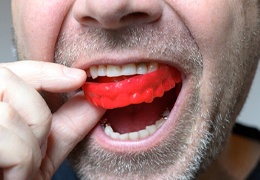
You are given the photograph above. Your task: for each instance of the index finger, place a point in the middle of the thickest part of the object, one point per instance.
(47, 76)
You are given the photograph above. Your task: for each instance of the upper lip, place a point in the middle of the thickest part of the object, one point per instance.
(86, 64)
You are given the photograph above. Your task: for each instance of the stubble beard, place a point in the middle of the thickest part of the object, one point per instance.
(180, 155)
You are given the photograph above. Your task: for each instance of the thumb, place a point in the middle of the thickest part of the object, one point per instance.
(71, 123)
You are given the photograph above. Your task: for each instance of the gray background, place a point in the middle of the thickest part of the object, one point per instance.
(250, 114)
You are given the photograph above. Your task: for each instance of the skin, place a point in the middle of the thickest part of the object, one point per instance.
(214, 43)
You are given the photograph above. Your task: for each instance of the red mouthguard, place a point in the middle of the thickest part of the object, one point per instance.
(134, 90)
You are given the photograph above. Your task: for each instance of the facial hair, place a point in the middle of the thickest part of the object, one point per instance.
(199, 134)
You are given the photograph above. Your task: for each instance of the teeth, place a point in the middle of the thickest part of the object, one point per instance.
(124, 136)
(108, 130)
(149, 130)
(141, 68)
(113, 71)
(143, 133)
(115, 135)
(102, 70)
(125, 70)
(94, 72)
(134, 136)
(152, 67)
(159, 123)
(165, 114)
(129, 69)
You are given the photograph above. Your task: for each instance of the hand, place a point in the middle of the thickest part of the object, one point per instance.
(33, 141)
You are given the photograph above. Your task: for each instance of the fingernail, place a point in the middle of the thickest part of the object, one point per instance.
(74, 73)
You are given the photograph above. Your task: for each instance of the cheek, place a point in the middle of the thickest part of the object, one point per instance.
(214, 25)
(210, 22)
(37, 25)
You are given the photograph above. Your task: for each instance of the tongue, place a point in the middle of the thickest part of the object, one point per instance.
(136, 117)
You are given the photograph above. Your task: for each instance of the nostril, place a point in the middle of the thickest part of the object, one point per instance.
(88, 19)
(134, 16)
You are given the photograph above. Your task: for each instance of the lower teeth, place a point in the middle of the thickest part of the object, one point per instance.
(149, 130)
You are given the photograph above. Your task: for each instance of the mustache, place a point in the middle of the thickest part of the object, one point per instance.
(156, 42)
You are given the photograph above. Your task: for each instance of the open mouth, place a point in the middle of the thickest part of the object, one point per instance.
(139, 97)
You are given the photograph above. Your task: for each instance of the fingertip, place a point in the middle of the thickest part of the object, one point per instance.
(75, 73)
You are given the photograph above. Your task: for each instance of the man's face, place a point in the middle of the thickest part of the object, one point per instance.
(214, 45)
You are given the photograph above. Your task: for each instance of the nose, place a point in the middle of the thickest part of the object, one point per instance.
(114, 14)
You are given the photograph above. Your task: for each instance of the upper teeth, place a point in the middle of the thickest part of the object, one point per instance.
(125, 70)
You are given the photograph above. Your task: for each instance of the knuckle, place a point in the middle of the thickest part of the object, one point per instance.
(27, 156)
(26, 159)
(24, 156)
(5, 75)
(5, 72)
(42, 128)
(30, 158)
(7, 112)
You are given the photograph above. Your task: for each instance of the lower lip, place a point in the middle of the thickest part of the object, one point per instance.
(153, 140)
